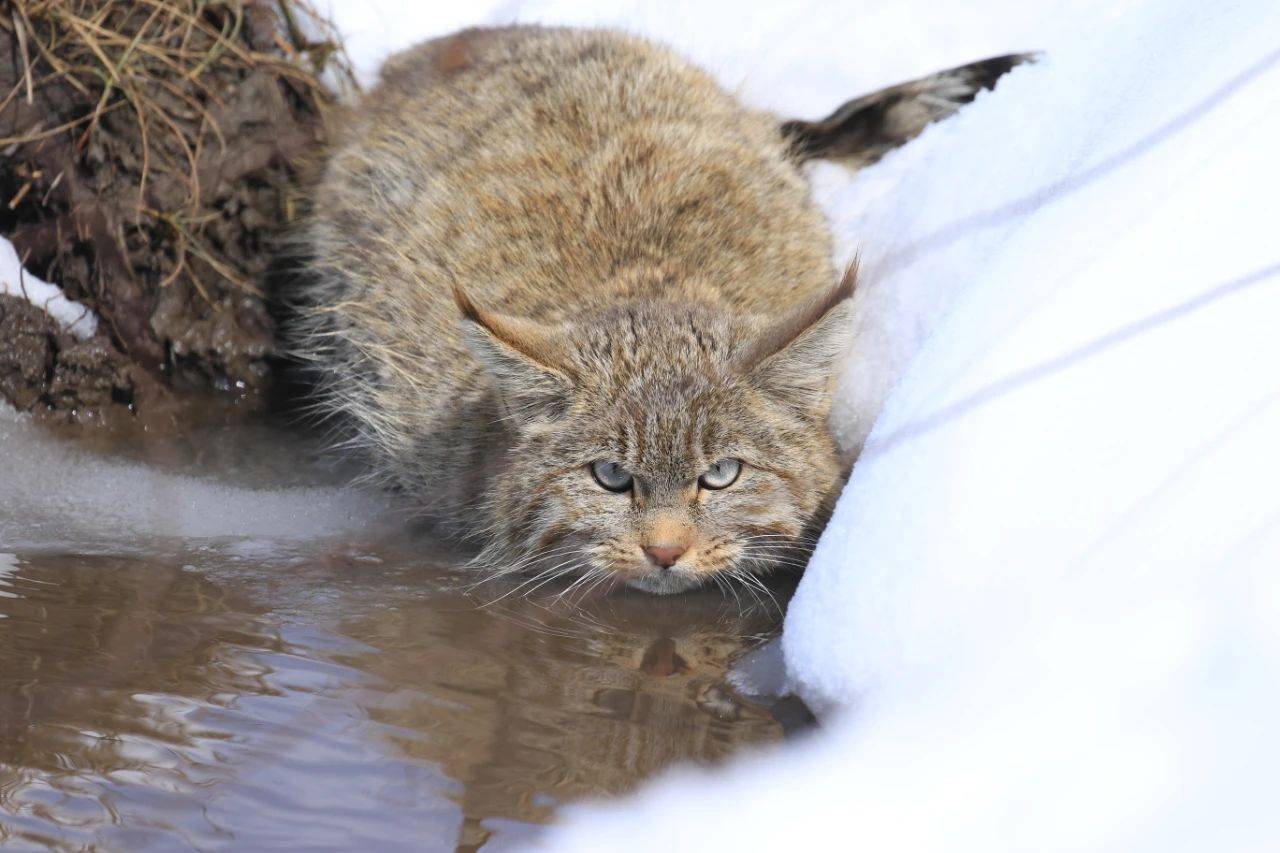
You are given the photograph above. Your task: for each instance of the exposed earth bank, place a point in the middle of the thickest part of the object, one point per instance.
(153, 155)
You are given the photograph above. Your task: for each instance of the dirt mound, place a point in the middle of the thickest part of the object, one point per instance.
(43, 366)
(152, 151)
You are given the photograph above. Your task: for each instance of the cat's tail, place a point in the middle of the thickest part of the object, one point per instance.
(863, 130)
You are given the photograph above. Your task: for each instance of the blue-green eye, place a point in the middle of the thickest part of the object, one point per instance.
(721, 474)
(611, 476)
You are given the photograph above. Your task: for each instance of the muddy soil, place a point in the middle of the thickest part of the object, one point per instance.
(152, 158)
(41, 366)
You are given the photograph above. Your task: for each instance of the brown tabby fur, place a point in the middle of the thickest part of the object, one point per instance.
(538, 248)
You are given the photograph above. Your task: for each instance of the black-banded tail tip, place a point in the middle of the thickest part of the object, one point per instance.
(984, 73)
(863, 130)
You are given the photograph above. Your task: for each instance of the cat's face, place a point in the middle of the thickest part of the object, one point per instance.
(662, 446)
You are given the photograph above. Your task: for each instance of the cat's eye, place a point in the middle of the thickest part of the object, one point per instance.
(611, 476)
(721, 474)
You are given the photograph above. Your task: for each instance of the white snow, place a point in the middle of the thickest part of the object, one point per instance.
(16, 281)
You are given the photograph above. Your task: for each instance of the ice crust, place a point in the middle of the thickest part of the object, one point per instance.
(55, 497)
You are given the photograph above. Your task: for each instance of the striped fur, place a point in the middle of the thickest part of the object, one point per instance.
(533, 248)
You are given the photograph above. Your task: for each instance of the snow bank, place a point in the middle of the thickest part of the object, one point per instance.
(56, 497)
(16, 281)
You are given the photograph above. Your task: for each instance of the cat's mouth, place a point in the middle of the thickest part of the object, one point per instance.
(665, 581)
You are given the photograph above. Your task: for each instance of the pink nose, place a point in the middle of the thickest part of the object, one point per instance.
(665, 555)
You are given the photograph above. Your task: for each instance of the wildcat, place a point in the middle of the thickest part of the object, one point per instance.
(575, 299)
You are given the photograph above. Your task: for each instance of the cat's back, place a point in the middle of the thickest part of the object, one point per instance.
(542, 169)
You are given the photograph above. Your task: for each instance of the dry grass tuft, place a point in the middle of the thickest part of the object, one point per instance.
(149, 152)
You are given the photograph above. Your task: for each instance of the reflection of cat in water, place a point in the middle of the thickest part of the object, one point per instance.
(572, 699)
(663, 659)
(576, 300)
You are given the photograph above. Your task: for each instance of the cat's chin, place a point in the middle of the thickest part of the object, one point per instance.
(665, 582)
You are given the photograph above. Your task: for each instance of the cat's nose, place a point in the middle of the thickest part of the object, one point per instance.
(664, 555)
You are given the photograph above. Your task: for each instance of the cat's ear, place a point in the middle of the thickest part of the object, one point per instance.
(526, 359)
(793, 360)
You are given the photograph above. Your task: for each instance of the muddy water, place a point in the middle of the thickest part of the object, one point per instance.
(323, 691)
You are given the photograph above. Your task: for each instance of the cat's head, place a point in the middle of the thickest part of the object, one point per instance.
(661, 444)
